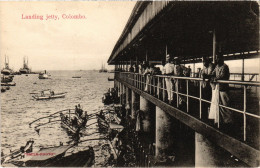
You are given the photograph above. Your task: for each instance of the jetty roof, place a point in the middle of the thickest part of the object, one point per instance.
(187, 28)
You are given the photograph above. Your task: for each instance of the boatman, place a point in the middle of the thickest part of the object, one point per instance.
(169, 70)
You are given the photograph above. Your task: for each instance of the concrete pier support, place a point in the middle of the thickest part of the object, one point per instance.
(164, 135)
(128, 96)
(121, 92)
(128, 100)
(208, 154)
(134, 104)
(145, 108)
(148, 110)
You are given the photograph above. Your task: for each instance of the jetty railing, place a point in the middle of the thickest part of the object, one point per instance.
(185, 89)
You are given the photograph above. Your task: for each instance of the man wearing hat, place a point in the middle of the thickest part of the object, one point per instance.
(169, 70)
(221, 72)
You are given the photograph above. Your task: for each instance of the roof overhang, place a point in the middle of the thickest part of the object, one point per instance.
(186, 28)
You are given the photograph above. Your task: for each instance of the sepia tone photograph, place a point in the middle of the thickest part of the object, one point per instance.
(130, 83)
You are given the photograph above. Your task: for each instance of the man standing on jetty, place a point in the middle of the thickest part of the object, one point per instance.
(207, 88)
(221, 72)
(169, 70)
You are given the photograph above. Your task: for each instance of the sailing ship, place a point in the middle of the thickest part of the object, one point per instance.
(25, 69)
(103, 69)
(6, 70)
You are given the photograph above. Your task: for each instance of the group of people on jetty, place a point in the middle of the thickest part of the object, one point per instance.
(217, 94)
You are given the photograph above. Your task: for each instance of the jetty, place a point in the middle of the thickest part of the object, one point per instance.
(175, 134)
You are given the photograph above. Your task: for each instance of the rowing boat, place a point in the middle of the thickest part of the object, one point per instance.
(48, 94)
(45, 97)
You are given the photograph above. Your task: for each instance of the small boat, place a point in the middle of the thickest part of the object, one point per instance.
(44, 75)
(18, 153)
(76, 76)
(71, 119)
(110, 97)
(57, 157)
(110, 79)
(3, 89)
(6, 78)
(110, 121)
(8, 84)
(48, 94)
(7, 88)
(74, 119)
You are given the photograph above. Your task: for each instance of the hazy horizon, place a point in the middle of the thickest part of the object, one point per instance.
(64, 43)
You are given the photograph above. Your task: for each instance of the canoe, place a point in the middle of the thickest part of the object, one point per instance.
(66, 124)
(18, 153)
(76, 76)
(112, 122)
(45, 97)
(57, 157)
(66, 121)
(110, 79)
(8, 84)
(3, 89)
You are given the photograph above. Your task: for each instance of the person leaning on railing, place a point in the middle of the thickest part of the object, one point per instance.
(146, 74)
(221, 114)
(169, 70)
(180, 85)
(207, 87)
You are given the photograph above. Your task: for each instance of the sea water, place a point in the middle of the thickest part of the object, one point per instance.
(18, 109)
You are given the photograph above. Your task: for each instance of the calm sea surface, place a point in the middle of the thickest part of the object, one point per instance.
(18, 108)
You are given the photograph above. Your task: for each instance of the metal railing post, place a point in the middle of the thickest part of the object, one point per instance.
(158, 87)
(177, 92)
(163, 82)
(200, 98)
(218, 105)
(138, 81)
(150, 83)
(187, 93)
(154, 85)
(244, 114)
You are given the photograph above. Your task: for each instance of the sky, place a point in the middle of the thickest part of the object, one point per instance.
(67, 44)
(62, 44)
